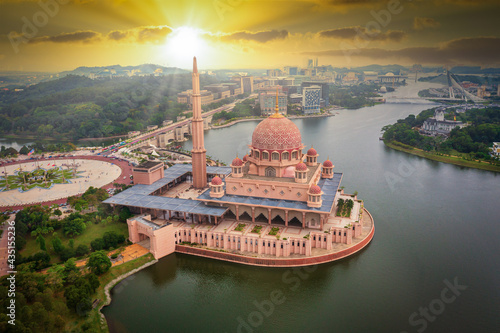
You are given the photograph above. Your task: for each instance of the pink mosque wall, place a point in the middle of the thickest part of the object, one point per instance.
(162, 242)
(148, 178)
(277, 262)
(257, 188)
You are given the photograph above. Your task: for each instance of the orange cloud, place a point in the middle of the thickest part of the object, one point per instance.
(260, 36)
(420, 23)
(359, 32)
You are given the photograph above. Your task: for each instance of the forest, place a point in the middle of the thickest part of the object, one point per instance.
(353, 97)
(76, 107)
(475, 139)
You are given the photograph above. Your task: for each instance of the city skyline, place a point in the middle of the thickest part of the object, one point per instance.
(56, 35)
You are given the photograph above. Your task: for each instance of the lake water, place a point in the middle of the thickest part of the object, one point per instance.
(436, 225)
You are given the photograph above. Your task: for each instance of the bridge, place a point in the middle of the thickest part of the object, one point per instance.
(178, 131)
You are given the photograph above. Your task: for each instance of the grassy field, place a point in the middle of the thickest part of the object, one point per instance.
(92, 232)
(445, 159)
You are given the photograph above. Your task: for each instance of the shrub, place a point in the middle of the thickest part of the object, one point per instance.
(81, 250)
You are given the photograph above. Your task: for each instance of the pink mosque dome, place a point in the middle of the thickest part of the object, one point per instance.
(216, 181)
(237, 162)
(276, 133)
(327, 164)
(301, 167)
(312, 152)
(289, 172)
(245, 158)
(315, 189)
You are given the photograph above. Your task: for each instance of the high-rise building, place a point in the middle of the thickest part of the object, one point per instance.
(311, 99)
(325, 89)
(246, 83)
(198, 153)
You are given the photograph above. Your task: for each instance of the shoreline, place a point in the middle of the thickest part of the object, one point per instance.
(261, 118)
(445, 159)
(113, 283)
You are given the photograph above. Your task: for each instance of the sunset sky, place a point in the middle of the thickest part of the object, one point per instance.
(66, 34)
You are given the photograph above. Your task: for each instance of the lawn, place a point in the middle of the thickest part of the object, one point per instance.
(92, 232)
(445, 159)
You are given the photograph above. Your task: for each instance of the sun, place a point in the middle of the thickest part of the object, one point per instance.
(184, 43)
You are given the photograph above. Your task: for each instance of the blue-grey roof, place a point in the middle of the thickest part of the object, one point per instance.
(328, 186)
(139, 195)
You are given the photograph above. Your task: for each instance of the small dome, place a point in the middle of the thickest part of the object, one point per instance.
(301, 167)
(327, 164)
(312, 152)
(245, 158)
(237, 162)
(315, 189)
(216, 181)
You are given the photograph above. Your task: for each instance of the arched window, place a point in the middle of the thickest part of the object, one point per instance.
(256, 154)
(270, 172)
(275, 156)
(285, 156)
(294, 155)
(265, 155)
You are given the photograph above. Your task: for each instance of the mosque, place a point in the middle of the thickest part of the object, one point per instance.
(274, 203)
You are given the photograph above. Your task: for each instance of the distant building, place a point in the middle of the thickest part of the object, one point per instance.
(296, 98)
(151, 127)
(350, 78)
(311, 99)
(495, 150)
(291, 70)
(392, 78)
(234, 88)
(184, 97)
(219, 91)
(268, 102)
(273, 72)
(438, 125)
(246, 83)
(370, 76)
(325, 90)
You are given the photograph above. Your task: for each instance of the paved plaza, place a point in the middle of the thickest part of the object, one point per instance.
(94, 173)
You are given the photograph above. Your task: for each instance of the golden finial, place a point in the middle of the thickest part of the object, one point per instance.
(277, 108)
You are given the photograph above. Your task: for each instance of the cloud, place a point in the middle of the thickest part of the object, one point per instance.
(151, 34)
(478, 50)
(364, 34)
(420, 23)
(71, 37)
(260, 36)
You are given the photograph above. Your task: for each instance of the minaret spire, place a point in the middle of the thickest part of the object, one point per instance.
(277, 107)
(198, 153)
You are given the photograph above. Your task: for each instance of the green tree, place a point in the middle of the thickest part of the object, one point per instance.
(41, 242)
(24, 150)
(74, 227)
(57, 244)
(99, 262)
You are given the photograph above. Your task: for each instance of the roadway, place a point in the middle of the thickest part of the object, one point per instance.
(170, 127)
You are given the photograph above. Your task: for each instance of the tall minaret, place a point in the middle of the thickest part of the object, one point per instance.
(198, 153)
